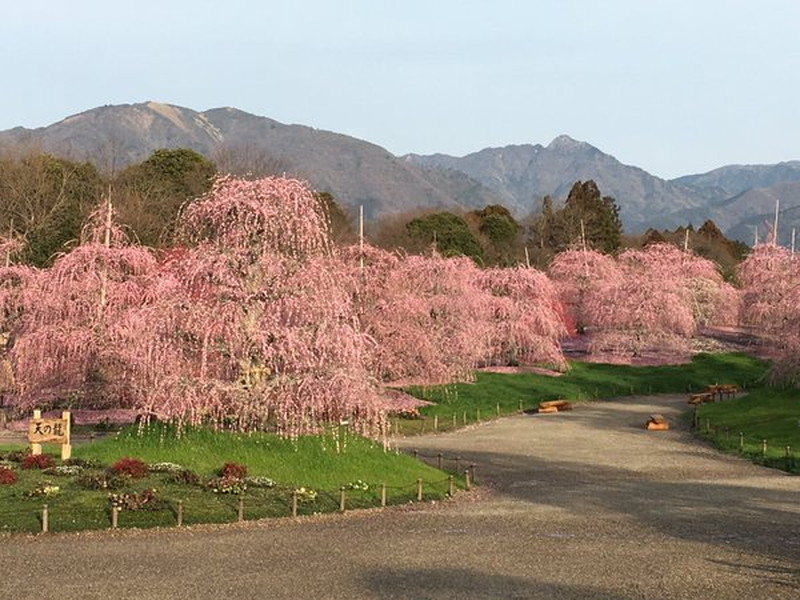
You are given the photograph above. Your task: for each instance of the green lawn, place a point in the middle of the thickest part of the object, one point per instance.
(324, 464)
(760, 425)
(493, 394)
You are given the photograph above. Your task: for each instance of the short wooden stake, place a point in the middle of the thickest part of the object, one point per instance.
(342, 500)
(439, 460)
(419, 490)
(763, 447)
(788, 451)
(294, 503)
(458, 464)
(383, 495)
(472, 472)
(240, 510)
(741, 441)
(477, 415)
(455, 421)
(45, 519)
(465, 417)
(708, 425)
(466, 480)
(450, 486)
(114, 516)
(520, 406)
(498, 409)
(179, 515)
(416, 454)
(436, 422)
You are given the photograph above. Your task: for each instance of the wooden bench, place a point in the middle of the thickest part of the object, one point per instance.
(552, 406)
(701, 398)
(725, 390)
(656, 423)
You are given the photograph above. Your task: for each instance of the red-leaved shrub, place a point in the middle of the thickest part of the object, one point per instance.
(37, 461)
(7, 476)
(129, 466)
(233, 470)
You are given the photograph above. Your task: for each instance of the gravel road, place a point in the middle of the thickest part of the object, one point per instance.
(585, 504)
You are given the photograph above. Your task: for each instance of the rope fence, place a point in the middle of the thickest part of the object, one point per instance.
(755, 448)
(257, 503)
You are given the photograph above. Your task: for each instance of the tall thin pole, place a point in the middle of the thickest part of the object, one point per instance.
(361, 235)
(527, 258)
(775, 226)
(755, 241)
(794, 232)
(686, 241)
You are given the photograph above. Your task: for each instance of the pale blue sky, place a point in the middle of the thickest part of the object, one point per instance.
(675, 87)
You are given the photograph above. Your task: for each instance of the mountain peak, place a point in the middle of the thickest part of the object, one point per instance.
(564, 142)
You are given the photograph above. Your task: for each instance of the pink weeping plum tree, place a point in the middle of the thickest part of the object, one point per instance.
(525, 316)
(770, 281)
(645, 300)
(63, 336)
(424, 315)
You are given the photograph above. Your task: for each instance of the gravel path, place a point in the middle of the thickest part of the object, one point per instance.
(583, 504)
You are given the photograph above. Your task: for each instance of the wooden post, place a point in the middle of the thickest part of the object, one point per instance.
(455, 423)
(788, 451)
(436, 422)
(458, 464)
(708, 425)
(741, 441)
(498, 409)
(36, 449)
(45, 519)
(342, 500)
(179, 516)
(450, 486)
(763, 447)
(294, 503)
(383, 495)
(240, 510)
(114, 516)
(419, 490)
(439, 461)
(416, 454)
(466, 480)
(472, 472)
(520, 406)
(66, 447)
(465, 418)
(477, 415)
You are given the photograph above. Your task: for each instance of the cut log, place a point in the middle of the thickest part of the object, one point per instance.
(548, 409)
(657, 426)
(557, 404)
(658, 419)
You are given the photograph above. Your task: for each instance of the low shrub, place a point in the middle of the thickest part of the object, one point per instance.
(232, 469)
(258, 481)
(7, 476)
(18, 456)
(147, 499)
(184, 477)
(165, 467)
(37, 461)
(102, 481)
(64, 470)
(132, 467)
(227, 485)
(45, 488)
(86, 463)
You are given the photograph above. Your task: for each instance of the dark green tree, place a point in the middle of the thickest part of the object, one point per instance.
(148, 196)
(450, 233)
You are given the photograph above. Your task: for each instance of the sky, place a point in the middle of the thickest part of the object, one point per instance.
(674, 87)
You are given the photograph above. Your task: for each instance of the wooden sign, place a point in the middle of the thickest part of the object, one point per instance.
(47, 431)
(50, 431)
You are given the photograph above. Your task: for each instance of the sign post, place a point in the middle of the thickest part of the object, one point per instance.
(50, 431)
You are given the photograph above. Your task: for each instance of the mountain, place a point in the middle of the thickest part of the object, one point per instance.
(522, 175)
(731, 180)
(357, 172)
(354, 171)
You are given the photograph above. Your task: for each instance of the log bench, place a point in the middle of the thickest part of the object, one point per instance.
(656, 423)
(552, 406)
(701, 398)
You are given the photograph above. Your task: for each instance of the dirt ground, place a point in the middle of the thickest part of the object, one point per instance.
(584, 504)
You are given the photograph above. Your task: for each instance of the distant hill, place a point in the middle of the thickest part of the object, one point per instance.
(354, 171)
(523, 175)
(357, 172)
